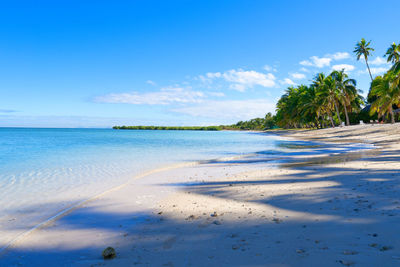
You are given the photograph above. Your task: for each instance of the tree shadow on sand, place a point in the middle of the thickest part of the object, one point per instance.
(313, 214)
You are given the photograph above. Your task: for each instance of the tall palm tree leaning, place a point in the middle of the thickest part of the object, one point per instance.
(347, 89)
(333, 94)
(362, 49)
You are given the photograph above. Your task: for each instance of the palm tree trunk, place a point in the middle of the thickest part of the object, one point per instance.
(331, 119)
(347, 115)
(337, 113)
(366, 62)
(391, 114)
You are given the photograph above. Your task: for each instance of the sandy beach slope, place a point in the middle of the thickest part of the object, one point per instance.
(321, 208)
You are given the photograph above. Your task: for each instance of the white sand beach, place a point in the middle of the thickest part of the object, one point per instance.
(318, 209)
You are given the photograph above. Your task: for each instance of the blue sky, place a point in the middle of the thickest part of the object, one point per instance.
(102, 63)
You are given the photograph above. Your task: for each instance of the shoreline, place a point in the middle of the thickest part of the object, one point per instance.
(214, 191)
(65, 211)
(22, 212)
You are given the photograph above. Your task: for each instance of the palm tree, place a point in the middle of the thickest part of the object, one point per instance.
(294, 108)
(328, 91)
(387, 95)
(306, 112)
(362, 49)
(282, 110)
(348, 91)
(393, 53)
(312, 106)
(334, 94)
(395, 70)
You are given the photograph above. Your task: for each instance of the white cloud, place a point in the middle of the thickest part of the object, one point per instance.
(247, 79)
(304, 69)
(378, 70)
(238, 87)
(269, 68)
(202, 78)
(165, 96)
(306, 63)
(375, 71)
(297, 75)
(218, 94)
(321, 62)
(151, 82)
(241, 80)
(346, 67)
(339, 55)
(229, 109)
(68, 121)
(378, 61)
(325, 61)
(287, 81)
(212, 75)
(318, 62)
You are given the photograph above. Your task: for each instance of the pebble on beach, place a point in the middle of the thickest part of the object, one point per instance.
(347, 263)
(109, 253)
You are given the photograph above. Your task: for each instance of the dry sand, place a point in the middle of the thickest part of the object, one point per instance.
(321, 208)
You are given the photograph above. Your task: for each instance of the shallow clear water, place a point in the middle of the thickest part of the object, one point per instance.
(43, 171)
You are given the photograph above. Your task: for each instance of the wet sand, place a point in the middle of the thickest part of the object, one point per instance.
(322, 208)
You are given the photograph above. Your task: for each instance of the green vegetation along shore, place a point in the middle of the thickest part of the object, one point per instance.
(331, 99)
(187, 128)
(259, 124)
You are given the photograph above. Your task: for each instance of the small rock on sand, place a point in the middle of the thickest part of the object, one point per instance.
(349, 252)
(347, 263)
(384, 248)
(109, 253)
(276, 220)
(191, 217)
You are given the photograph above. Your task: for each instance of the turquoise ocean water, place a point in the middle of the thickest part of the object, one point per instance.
(43, 171)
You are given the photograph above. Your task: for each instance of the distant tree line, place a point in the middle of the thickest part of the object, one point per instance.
(268, 122)
(171, 128)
